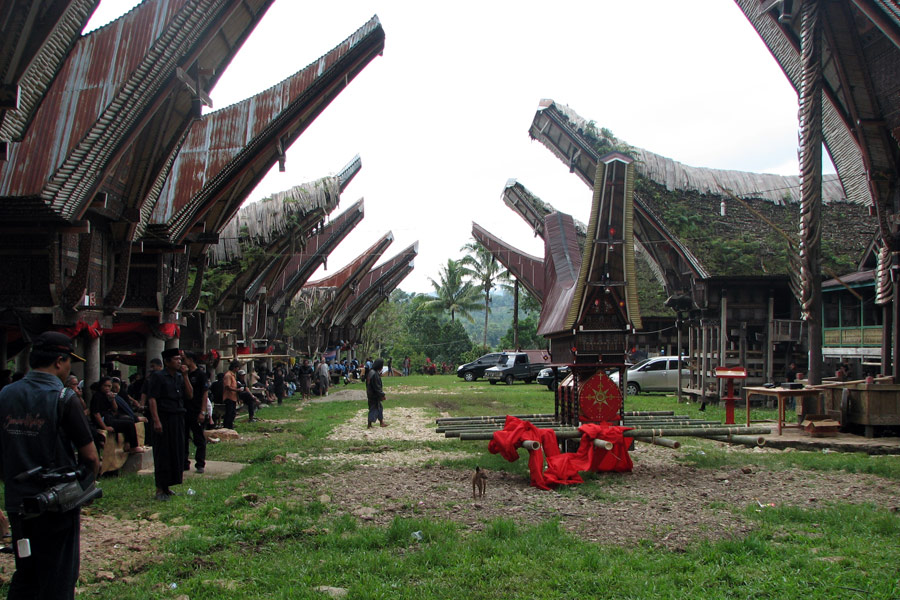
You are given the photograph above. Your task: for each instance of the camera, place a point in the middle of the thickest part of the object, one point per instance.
(67, 489)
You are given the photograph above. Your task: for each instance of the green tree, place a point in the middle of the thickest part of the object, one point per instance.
(453, 294)
(480, 265)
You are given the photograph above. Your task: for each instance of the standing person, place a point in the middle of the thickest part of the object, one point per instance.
(390, 370)
(230, 394)
(406, 365)
(195, 414)
(306, 375)
(167, 391)
(375, 394)
(324, 378)
(40, 428)
(278, 384)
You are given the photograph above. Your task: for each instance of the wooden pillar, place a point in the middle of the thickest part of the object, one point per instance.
(516, 314)
(678, 352)
(723, 336)
(172, 342)
(704, 363)
(810, 112)
(887, 330)
(770, 340)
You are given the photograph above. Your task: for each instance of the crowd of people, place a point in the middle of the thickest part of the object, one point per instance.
(50, 424)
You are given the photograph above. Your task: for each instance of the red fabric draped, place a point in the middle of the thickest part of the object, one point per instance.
(562, 468)
(93, 330)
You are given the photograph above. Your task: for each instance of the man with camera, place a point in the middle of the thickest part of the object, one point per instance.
(45, 483)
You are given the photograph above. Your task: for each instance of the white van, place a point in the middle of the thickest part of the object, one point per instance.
(658, 374)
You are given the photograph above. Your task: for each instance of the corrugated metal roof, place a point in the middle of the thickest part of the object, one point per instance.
(31, 57)
(302, 265)
(562, 260)
(376, 286)
(347, 280)
(528, 269)
(228, 151)
(101, 97)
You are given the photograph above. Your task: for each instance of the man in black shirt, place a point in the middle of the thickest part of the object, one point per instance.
(195, 414)
(39, 426)
(166, 392)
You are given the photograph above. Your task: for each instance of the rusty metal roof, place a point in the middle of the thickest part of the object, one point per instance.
(377, 286)
(347, 280)
(524, 267)
(562, 260)
(35, 38)
(227, 152)
(319, 245)
(101, 121)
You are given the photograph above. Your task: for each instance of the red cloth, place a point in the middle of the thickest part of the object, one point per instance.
(93, 330)
(562, 468)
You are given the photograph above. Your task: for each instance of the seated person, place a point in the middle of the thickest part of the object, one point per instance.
(107, 415)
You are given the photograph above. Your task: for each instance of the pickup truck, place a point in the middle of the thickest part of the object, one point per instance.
(517, 365)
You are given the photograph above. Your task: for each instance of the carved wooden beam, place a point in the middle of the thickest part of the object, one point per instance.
(116, 295)
(176, 293)
(78, 285)
(193, 299)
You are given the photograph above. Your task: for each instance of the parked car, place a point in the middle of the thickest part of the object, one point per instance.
(475, 369)
(657, 374)
(513, 366)
(552, 375)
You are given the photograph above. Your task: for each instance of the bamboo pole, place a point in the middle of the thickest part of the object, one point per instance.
(838, 384)
(746, 440)
(494, 417)
(603, 444)
(531, 445)
(674, 444)
(571, 433)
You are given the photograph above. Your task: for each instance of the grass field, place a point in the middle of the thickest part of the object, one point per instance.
(264, 533)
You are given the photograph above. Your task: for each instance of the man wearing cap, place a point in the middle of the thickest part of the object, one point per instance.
(167, 391)
(41, 426)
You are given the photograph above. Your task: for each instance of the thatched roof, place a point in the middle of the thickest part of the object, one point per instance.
(780, 189)
(262, 222)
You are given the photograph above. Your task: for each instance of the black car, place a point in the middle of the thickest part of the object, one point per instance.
(551, 376)
(475, 369)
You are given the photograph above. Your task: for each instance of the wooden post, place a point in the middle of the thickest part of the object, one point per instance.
(887, 329)
(516, 314)
(723, 335)
(678, 352)
(704, 363)
(770, 341)
(811, 181)
(92, 362)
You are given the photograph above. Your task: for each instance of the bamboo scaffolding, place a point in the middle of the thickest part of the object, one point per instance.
(746, 440)
(571, 433)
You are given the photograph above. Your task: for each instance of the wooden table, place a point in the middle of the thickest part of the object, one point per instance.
(780, 394)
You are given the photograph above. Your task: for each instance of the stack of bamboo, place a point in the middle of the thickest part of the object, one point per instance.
(656, 427)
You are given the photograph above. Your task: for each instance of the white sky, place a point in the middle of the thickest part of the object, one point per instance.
(441, 120)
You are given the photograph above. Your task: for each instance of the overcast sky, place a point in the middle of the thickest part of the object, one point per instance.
(441, 119)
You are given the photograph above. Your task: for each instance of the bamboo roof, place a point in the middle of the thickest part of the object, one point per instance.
(261, 222)
(674, 175)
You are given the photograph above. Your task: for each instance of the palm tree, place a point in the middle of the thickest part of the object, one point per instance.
(484, 270)
(453, 294)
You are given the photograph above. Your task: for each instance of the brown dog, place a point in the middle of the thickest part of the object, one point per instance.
(479, 481)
